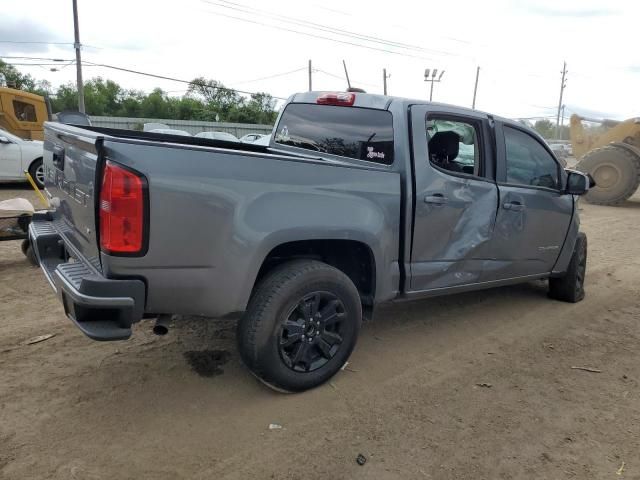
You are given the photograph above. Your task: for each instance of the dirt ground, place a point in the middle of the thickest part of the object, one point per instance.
(473, 386)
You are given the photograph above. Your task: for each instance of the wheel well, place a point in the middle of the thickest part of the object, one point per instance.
(353, 258)
(32, 162)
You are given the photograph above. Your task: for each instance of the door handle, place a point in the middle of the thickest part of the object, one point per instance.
(514, 206)
(436, 199)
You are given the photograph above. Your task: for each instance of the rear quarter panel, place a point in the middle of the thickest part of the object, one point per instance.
(215, 214)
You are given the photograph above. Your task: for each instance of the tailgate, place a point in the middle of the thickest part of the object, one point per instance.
(70, 164)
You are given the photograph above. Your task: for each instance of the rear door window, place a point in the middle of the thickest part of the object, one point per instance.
(360, 133)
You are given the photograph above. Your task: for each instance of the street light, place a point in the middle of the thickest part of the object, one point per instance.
(430, 76)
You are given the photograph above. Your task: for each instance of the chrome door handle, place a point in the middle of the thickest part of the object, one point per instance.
(514, 206)
(436, 199)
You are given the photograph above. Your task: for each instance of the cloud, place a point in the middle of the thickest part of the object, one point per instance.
(23, 35)
(574, 12)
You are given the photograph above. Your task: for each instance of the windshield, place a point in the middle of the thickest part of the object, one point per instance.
(360, 133)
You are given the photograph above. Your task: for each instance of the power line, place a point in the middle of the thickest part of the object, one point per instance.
(37, 58)
(341, 77)
(271, 76)
(20, 42)
(335, 40)
(316, 26)
(164, 77)
(31, 64)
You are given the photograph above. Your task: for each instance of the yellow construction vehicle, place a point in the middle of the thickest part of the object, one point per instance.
(611, 156)
(23, 113)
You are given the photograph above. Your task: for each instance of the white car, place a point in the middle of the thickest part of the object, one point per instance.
(265, 140)
(218, 136)
(251, 137)
(18, 155)
(170, 131)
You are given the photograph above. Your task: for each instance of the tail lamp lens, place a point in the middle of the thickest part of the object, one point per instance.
(122, 210)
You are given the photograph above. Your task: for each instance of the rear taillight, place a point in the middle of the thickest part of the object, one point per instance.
(122, 211)
(343, 99)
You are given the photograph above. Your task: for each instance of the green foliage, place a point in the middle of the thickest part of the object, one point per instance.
(14, 79)
(206, 99)
(545, 128)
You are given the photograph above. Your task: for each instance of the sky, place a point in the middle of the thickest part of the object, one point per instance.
(520, 47)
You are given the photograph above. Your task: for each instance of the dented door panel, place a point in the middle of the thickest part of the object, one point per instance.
(454, 219)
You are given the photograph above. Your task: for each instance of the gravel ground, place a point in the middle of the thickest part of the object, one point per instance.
(473, 386)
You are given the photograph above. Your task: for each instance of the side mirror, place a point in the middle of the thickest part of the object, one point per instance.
(4, 139)
(578, 183)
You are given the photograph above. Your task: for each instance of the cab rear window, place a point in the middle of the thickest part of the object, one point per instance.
(360, 133)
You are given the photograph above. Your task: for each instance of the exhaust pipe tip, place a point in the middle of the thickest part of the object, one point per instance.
(162, 325)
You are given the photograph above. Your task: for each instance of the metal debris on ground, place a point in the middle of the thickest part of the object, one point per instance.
(40, 338)
(344, 366)
(484, 385)
(275, 426)
(620, 470)
(361, 459)
(587, 369)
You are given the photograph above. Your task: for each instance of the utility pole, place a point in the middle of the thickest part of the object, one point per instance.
(432, 78)
(310, 73)
(563, 85)
(346, 73)
(561, 121)
(475, 89)
(384, 80)
(76, 44)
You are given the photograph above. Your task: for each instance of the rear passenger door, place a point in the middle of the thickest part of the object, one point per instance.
(455, 197)
(534, 215)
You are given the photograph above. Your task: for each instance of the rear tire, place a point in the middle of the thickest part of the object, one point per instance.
(570, 287)
(27, 250)
(300, 326)
(36, 170)
(616, 172)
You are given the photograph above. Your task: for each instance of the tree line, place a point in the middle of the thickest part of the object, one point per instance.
(205, 99)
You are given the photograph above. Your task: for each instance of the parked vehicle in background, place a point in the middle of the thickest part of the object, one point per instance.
(72, 118)
(359, 199)
(149, 127)
(611, 155)
(560, 151)
(265, 140)
(18, 155)
(228, 137)
(170, 131)
(22, 113)
(251, 137)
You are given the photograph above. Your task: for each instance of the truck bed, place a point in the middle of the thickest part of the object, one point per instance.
(216, 210)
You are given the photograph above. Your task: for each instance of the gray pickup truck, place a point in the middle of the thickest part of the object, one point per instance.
(358, 199)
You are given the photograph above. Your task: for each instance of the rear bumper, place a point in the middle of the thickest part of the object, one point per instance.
(104, 309)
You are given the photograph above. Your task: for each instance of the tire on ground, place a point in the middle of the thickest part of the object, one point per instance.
(274, 300)
(32, 171)
(570, 287)
(619, 172)
(28, 252)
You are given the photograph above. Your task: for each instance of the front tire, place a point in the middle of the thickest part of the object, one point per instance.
(570, 287)
(300, 326)
(36, 170)
(616, 172)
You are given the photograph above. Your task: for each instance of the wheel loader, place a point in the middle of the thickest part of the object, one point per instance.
(611, 156)
(23, 113)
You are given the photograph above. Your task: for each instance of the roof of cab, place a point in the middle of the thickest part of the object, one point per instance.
(382, 102)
